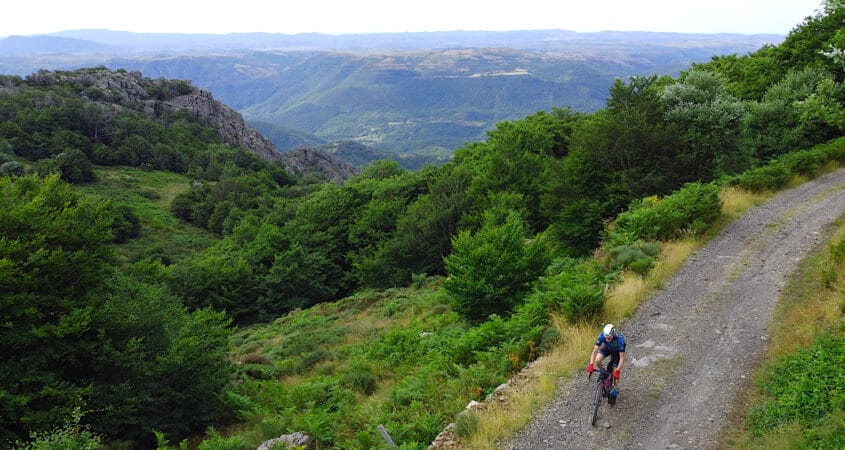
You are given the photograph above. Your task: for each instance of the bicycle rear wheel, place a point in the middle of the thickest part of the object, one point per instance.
(597, 401)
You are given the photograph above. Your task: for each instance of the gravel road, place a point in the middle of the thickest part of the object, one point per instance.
(689, 344)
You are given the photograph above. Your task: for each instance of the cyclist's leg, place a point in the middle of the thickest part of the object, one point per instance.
(599, 358)
(614, 362)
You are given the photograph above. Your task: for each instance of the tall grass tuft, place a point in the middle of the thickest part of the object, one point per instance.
(632, 288)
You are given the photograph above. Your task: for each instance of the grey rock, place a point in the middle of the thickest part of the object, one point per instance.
(293, 440)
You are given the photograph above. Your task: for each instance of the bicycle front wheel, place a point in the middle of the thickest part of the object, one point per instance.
(597, 401)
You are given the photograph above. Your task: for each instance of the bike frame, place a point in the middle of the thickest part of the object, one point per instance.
(604, 384)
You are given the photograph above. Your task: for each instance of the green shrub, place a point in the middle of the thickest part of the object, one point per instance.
(490, 270)
(829, 276)
(486, 335)
(638, 257)
(11, 168)
(805, 162)
(126, 223)
(582, 302)
(688, 210)
(837, 252)
(770, 177)
(71, 436)
(834, 150)
(549, 339)
(576, 287)
(255, 358)
(75, 166)
(359, 378)
(217, 442)
(467, 423)
(642, 266)
(311, 359)
(806, 386)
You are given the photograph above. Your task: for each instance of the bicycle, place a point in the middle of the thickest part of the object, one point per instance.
(604, 387)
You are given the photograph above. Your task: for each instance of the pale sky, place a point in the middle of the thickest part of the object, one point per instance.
(24, 17)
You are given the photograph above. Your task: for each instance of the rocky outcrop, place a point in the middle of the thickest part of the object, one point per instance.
(121, 89)
(305, 161)
(229, 123)
(295, 440)
(158, 97)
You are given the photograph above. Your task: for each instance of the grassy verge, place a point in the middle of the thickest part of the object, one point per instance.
(799, 398)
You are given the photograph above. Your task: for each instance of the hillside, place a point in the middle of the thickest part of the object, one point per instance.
(163, 287)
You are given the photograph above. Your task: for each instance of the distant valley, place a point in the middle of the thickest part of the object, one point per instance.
(412, 97)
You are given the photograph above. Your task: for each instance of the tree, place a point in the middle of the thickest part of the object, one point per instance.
(77, 333)
(156, 366)
(74, 166)
(774, 125)
(54, 252)
(622, 152)
(422, 237)
(709, 123)
(489, 270)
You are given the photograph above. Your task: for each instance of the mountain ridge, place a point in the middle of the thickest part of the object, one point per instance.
(422, 93)
(522, 39)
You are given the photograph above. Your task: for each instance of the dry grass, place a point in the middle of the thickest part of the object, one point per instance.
(736, 201)
(169, 191)
(806, 307)
(626, 296)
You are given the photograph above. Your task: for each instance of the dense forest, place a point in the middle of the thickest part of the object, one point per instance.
(126, 328)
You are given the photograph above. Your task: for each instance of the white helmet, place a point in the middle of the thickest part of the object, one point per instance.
(609, 330)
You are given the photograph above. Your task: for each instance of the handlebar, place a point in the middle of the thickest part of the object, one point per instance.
(601, 370)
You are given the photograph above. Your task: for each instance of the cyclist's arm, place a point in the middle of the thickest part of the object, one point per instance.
(621, 361)
(593, 356)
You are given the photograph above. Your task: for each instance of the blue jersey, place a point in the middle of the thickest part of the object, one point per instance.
(615, 346)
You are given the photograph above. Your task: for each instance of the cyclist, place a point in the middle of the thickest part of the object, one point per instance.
(610, 342)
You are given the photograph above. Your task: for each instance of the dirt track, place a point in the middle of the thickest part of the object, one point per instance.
(689, 344)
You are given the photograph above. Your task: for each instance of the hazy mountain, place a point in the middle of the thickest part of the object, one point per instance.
(423, 93)
(538, 40)
(40, 45)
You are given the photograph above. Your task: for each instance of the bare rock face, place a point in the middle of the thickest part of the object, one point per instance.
(130, 90)
(229, 123)
(305, 161)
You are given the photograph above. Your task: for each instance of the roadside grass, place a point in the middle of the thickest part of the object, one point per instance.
(149, 194)
(534, 387)
(736, 201)
(808, 318)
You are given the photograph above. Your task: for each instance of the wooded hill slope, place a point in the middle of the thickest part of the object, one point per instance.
(539, 217)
